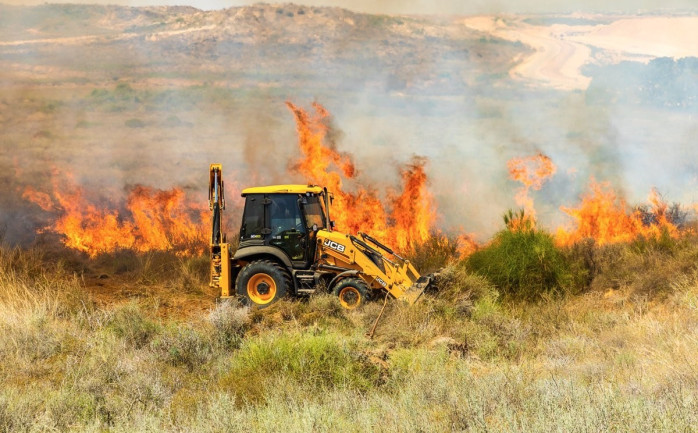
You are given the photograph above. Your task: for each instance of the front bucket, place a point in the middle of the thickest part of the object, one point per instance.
(413, 293)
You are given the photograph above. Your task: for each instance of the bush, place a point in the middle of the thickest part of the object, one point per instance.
(522, 264)
(183, 345)
(462, 288)
(129, 323)
(230, 322)
(191, 274)
(319, 361)
(646, 266)
(438, 251)
(663, 243)
(455, 281)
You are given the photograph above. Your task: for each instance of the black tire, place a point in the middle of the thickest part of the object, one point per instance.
(352, 293)
(262, 283)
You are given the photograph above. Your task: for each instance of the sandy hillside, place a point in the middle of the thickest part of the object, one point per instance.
(561, 50)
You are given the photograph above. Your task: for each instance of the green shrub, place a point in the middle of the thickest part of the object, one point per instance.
(124, 91)
(646, 266)
(320, 361)
(523, 264)
(583, 259)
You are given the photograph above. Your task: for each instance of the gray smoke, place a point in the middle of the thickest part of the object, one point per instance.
(172, 90)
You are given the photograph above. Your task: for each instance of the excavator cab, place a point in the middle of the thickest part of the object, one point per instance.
(287, 246)
(286, 217)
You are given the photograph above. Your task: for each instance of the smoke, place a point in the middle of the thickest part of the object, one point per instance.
(170, 91)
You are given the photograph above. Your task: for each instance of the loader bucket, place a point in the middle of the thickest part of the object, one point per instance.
(413, 293)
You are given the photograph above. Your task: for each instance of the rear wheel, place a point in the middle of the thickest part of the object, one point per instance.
(262, 283)
(352, 293)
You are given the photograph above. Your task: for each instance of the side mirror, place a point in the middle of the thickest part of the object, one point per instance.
(315, 227)
(332, 224)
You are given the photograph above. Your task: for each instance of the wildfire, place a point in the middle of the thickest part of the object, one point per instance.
(154, 220)
(601, 215)
(39, 198)
(605, 218)
(466, 245)
(412, 209)
(532, 172)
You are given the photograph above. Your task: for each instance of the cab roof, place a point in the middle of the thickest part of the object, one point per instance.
(282, 189)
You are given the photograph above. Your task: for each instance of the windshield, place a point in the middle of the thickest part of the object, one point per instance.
(313, 212)
(285, 215)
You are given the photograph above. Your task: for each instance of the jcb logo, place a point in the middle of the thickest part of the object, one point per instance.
(381, 282)
(334, 245)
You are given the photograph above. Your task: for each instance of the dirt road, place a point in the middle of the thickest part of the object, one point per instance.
(561, 50)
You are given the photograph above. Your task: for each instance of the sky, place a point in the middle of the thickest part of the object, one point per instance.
(425, 6)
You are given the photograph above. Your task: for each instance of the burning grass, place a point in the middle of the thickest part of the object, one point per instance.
(153, 220)
(604, 217)
(403, 216)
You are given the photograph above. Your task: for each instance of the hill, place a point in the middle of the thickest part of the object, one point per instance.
(184, 87)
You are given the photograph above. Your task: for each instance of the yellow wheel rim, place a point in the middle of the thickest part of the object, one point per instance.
(350, 297)
(261, 289)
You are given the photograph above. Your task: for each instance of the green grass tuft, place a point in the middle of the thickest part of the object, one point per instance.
(319, 361)
(523, 264)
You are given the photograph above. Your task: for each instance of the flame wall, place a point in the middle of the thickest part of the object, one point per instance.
(144, 107)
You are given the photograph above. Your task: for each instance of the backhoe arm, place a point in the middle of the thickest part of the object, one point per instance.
(216, 201)
(220, 251)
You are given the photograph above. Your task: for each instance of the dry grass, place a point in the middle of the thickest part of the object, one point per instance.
(464, 360)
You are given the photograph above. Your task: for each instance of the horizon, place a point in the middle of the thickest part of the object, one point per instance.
(420, 7)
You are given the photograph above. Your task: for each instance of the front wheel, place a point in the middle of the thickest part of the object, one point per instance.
(262, 283)
(352, 293)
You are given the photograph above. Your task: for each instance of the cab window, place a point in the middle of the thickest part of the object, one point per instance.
(253, 217)
(285, 215)
(313, 212)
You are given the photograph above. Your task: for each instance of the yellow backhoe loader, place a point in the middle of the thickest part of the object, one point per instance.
(287, 246)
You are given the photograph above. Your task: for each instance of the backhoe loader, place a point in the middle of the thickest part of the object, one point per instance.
(288, 247)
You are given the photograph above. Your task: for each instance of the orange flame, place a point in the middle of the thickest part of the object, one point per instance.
(605, 218)
(532, 172)
(155, 220)
(413, 210)
(412, 214)
(466, 245)
(39, 198)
